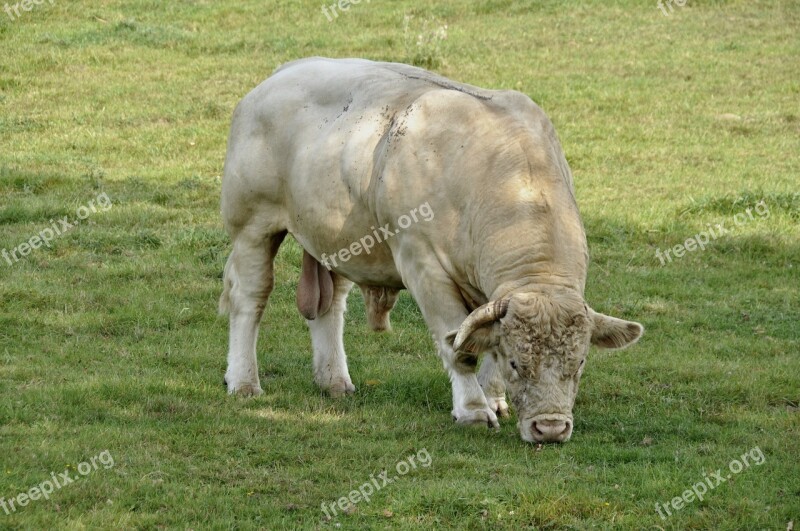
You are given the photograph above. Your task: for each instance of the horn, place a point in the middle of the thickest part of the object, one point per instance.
(488, 313)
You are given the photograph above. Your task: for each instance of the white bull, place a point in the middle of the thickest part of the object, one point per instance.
(332, 151)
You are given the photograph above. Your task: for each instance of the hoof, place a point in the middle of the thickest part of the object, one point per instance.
(498, 405)
(339, 391)
(245, 390)
(338, 388)
(480, 417)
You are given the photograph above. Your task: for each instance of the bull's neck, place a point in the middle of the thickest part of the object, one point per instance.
(539, 245)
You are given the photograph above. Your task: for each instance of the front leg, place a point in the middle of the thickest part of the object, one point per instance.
(469, 403)
(493, 385)
(443, 309)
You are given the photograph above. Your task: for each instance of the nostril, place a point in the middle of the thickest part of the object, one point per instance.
(550, 430)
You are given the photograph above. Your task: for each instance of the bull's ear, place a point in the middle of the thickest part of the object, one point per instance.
(610, 332)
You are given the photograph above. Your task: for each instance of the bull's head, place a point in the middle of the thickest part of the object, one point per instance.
(540, 342)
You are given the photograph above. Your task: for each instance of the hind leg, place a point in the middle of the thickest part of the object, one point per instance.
(379, 302)
(327, 329)
(248, 282)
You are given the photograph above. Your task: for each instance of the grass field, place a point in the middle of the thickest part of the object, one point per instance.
(112, 351)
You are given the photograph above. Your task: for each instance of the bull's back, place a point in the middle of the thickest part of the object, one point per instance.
(342, 147)
(317, 125)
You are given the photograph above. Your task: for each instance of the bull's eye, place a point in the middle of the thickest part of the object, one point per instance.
(514, 365)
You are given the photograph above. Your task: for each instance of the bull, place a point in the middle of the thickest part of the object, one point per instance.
(469, 204)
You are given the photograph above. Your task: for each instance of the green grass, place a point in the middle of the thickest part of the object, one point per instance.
(109, 339)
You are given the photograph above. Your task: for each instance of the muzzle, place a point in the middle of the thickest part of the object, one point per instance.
(548, 427)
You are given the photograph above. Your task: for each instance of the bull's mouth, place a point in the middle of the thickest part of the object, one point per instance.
(548, 427)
